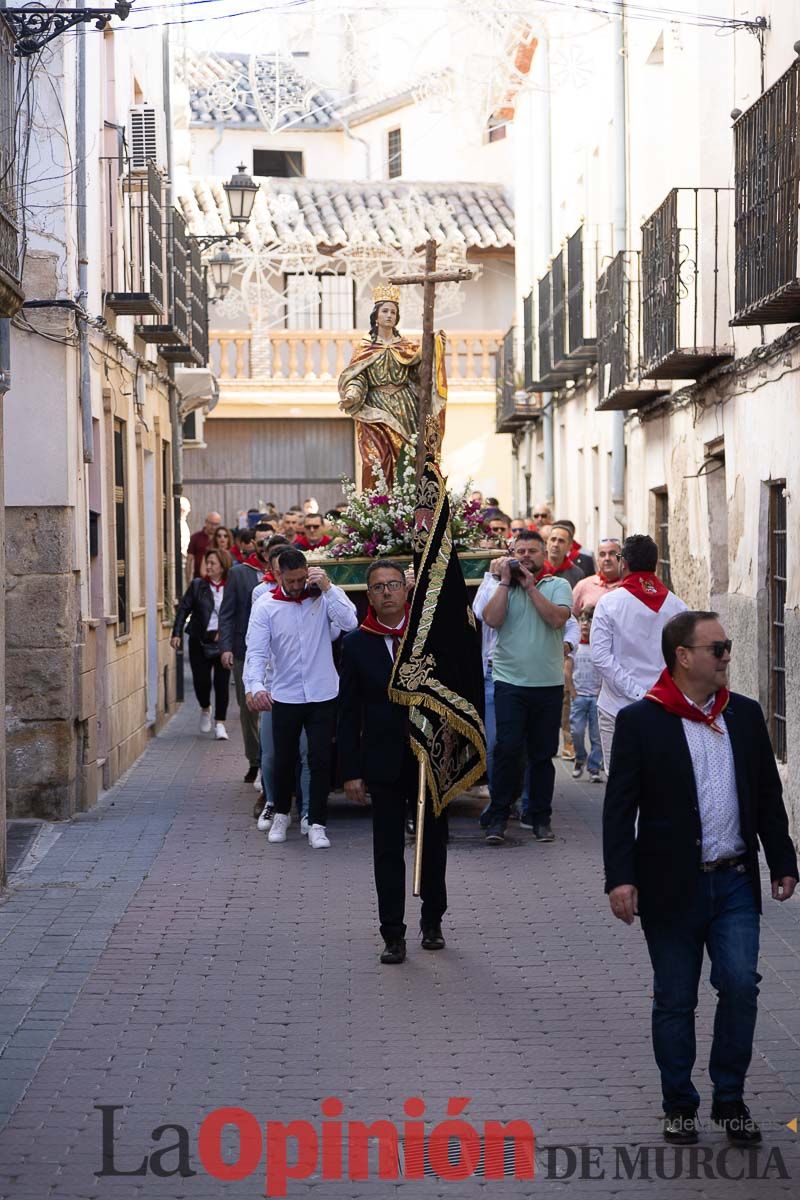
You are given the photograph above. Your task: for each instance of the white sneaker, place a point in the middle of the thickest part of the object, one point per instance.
(265, 818)
(257, 781)
(280, 823)
(220, 732)
(304, 826)
(205, 721)
(317, 837)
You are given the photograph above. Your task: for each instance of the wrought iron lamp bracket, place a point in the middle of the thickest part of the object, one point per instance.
(34, 27)
(206, 240)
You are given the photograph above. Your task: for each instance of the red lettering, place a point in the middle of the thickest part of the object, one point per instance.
(209, 1142)
(494, 1137)
(279, 1171)
(358, 1135)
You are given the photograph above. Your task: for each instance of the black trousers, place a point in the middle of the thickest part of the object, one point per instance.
(389, 812)
(319, 722)
(203, 671)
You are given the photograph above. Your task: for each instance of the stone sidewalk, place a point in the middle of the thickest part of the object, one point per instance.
(161, 957)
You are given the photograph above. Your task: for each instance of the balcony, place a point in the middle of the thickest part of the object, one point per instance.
(289, 358)
(766, 202)
(183, 336)
(620, 382)
(685, 308)
(550, 331)
(566, 342)
(134, 252)
(581, 347)
(514, 407)
(11, 295)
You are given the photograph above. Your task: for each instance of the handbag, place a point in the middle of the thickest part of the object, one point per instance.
(211, 650)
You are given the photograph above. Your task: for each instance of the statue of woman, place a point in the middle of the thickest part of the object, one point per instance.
(380, 388)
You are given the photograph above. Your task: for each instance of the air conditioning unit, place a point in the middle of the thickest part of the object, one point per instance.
(147, 137)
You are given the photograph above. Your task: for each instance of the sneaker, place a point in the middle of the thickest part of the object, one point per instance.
(577, 771)
(734, 1117)
(257, 780)
(205, 721)
(265, 817)
(220, 732)
(526, 821)
(595, 777)
(304, 826)
(280, 823)
(495, 835)
(544, 833)
(568, 754)
(318, 838)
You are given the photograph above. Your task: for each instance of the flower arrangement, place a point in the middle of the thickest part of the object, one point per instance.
(380, 522)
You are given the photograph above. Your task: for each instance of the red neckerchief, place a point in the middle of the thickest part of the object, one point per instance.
(371, 624)
(546, 572)
(268, 577)
(254, 561)
(302, 542)
(549, 569)
(572, 556)
(607, 583)
(647, 587)
(219, 585)
(279, 594)
(666, 692)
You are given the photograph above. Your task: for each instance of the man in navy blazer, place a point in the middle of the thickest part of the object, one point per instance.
(693, 788)
(375, 757)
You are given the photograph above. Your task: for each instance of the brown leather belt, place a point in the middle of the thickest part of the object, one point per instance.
(724, 864)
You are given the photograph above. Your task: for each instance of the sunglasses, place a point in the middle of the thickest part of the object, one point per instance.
(718, 649)
(541, 514)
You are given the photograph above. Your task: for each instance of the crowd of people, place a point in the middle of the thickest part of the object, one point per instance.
(573, 648)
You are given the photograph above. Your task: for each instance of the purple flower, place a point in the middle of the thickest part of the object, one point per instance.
(370, 547)
(378, 501)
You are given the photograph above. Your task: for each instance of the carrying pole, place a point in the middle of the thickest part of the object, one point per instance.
(420, 828)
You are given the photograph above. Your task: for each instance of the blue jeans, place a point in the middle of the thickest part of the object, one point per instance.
(722, 917)
(489, 722)
(583, 712)
(528, 726)
(268, 765)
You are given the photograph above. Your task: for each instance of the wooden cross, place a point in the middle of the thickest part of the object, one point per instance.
(429, 280)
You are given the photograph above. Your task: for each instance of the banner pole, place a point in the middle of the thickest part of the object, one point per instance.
(420, 828)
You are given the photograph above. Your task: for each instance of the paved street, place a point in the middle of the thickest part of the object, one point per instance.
(162, 957)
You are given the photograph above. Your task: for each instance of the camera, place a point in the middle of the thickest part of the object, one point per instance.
(516, 574)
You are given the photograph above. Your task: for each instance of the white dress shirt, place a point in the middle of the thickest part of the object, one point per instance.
(715, 782)
(626, 646)
(213, 620)
(297, 638)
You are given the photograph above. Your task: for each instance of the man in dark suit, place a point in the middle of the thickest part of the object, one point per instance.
(376, 757)
(694, 764)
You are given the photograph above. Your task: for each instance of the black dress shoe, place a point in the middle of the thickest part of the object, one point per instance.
(394, 951)
(734, 1117)
(250, 777)
(680, 1128)
(495, 835)
(432, 937)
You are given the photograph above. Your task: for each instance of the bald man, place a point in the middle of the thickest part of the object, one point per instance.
(198, 544)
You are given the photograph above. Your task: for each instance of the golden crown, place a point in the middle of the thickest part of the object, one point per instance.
(386, 291)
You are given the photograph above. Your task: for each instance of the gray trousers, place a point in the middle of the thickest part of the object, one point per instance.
(607, 723)
(249, 720)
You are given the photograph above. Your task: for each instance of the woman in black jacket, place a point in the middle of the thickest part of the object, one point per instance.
(200, 605)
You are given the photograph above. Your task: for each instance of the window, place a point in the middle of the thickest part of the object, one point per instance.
(320, 302)
(662, 535)
(496, 128)
(776, 589)
(394, 153)
(280, 164)
(121, 526)
(166, 504)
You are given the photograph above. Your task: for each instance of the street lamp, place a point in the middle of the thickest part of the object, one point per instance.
(221, 268)
(241, 193)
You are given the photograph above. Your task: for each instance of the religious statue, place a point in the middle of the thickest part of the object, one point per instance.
(380, 388)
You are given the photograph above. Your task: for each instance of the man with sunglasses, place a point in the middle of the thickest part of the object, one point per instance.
(692, 790)
(376, 758)
(313, 536)
(626, 633)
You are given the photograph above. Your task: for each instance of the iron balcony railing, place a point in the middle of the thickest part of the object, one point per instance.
(11, 296)
(182, 334)
(620, 384)
(550, 322)
(134, 241)
(514, 407)
(559, 311)
(581, 325)
(527, 341)
(767, 179)
(685, 309)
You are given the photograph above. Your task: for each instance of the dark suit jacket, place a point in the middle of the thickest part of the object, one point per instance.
(234, 613)
(652, 778)
(372, 732)
(196, 607)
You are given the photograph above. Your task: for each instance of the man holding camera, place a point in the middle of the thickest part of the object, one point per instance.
(529, 614)
(296, 630)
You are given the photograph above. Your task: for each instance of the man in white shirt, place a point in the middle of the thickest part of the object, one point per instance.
(626, 633)
(295, 631)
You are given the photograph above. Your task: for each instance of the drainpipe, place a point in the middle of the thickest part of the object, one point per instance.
(620, 218)
(543, 139)
(85, 386)
(176, 428)
(528, 471)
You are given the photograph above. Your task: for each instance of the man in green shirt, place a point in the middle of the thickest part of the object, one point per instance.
(528, 611)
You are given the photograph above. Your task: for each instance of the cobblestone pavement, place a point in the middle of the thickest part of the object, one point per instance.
(162, 957)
